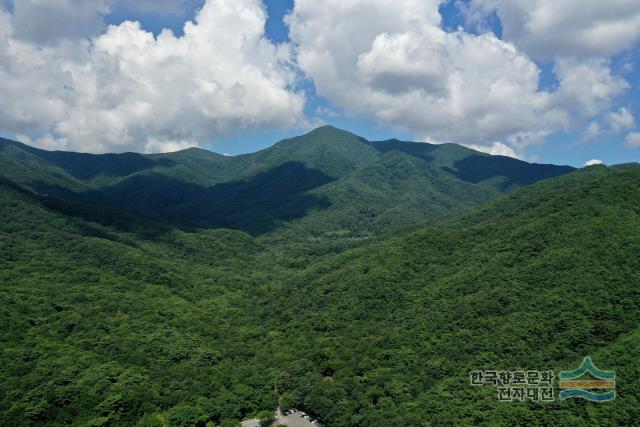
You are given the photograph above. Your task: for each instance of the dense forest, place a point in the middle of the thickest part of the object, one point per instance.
(359, 281)
(327, 183)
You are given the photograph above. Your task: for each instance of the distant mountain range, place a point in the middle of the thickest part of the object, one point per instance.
(327, 183)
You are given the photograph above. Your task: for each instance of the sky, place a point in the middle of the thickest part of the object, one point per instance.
(542, 80)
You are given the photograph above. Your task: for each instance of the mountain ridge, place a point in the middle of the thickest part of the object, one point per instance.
(327, 182)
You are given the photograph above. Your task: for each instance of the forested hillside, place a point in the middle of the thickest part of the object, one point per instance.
(111, 317)
(537, 280)
(100, 327)
(327, 183)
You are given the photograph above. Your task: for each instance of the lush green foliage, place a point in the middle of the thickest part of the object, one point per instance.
(536, 281)
(107, 318)
(324, 184)
(102, 327)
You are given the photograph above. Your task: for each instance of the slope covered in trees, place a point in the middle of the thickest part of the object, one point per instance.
(326, 183)
(101, 326)
(111, 318)
(537, 280)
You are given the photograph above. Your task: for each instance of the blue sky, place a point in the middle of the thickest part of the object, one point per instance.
(568, 145)
(565, 147)
(277, 31)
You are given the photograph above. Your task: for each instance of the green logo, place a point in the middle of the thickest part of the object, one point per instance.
(572, 386)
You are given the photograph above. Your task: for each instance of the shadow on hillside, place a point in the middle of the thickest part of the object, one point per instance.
(515, 172)
(87, 166)
(476, 168)
(257, 205)
(80, 206)
(421, 151)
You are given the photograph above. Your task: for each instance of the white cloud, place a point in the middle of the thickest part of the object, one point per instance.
(497, 149)
(592, 131)
(46, 22)
(46, 142)
(126, 90)
(593, 162)
(633, 140)
(391, 61)
(158, 146)
(614, 123)
(549, 28)
(587, 86)
(81, 86)
(621, 120)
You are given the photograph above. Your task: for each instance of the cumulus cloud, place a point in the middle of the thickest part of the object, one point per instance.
(46, 22)
(632, 140)
(394, 62)
(593, 162)
(613, 123)
(550, 28)
(592, 131)
(127, 90)
(77, 84)
(621, 120)
(587, 86)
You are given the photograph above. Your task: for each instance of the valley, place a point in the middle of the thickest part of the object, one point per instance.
(362, 280)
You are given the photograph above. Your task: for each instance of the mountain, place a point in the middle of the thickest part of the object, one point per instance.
(327, 183)
(537, 280)
(501, 172)
(102, 326)
(112, 319)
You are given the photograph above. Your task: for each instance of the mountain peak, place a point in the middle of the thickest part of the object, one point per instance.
(328, 137)
(328, 131)
(327, 128)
